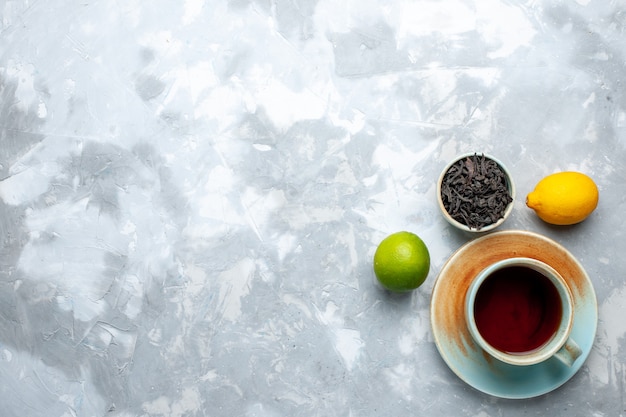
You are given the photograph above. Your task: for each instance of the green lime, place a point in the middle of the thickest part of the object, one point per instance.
(401, 262)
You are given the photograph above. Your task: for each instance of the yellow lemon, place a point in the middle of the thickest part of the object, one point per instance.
(564, 198)
(401, 262)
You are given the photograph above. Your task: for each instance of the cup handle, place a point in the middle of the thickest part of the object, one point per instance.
(569, 352)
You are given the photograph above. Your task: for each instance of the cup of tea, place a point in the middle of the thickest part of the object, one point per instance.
(520, 311)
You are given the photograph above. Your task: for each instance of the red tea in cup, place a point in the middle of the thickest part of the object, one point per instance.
(517, 309)
(520, 311)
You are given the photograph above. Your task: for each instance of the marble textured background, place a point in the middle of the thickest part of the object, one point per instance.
(191, 194)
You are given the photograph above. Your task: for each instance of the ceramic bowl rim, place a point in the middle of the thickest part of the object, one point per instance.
(507, 211)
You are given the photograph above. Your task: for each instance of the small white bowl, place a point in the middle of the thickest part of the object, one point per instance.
(464, 227)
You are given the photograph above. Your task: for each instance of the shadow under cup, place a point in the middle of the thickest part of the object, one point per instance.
(519, 310)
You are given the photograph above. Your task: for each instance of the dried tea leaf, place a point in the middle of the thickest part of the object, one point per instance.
(474, 191)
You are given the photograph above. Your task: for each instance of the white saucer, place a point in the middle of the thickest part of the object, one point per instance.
(454, 342)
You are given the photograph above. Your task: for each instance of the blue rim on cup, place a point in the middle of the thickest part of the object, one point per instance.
(464, 227)
(560, 345)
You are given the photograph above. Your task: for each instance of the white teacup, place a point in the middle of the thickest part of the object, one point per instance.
(520, 311)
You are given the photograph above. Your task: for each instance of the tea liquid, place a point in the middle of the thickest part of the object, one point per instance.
(517, 310)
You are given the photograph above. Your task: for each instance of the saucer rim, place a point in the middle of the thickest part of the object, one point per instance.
(445, 347)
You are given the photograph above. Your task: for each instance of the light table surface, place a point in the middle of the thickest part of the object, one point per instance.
(191, 194)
